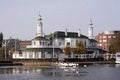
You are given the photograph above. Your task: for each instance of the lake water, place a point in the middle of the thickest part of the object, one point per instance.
(89, 72)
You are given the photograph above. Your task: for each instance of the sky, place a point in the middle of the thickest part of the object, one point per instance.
(18, 18)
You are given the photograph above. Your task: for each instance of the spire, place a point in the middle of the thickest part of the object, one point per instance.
(39, 27)
(91, 22)
(39, 17)
(90, 30)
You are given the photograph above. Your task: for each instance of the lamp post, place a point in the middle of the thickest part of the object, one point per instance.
(5, 48)
(53, 47)
(5, 44)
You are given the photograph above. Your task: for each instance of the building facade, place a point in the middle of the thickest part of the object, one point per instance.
(11, 43)
(51, 45)
(40, 47)
(104, 39)
(24, 44)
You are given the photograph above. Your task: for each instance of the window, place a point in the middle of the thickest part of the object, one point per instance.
(104, 36)
(59, 43)
(43, 43)
(34, 43)
(43, 55)
(109, 36)
(109, 40)
(100, 37)
(104, 40)
(118, 55)
(68, 43)
(40, 42)
(30, 55)
(114, 36)
(100, 40)
(100, 44)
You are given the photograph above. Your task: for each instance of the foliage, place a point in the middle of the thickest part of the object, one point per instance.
(1, 39)
(111, 49)
(1, 52)
(67, 50)
(80, 48)
(115, 45)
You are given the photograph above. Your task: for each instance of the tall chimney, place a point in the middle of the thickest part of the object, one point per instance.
(79, 32)
(65, 32)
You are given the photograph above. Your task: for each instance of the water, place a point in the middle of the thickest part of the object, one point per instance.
(89, 72)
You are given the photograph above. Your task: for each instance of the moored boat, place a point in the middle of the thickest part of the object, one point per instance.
(64, 64)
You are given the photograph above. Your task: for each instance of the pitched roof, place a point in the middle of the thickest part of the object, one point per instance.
(61, 34)
(39, 38)
(45, 50)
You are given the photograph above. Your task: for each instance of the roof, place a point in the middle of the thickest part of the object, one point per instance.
(39, 38)
(50, 50)
(61, 34)
(93, 40)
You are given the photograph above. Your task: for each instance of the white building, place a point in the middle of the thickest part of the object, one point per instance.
(90, 30)
(50, 46)
(40, 48)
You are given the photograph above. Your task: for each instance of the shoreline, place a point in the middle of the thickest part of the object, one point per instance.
(25, 63)
(54, 63)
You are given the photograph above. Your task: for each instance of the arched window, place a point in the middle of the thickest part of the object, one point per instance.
(40, 42)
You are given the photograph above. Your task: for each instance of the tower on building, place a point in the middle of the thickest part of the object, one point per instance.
(90, 30)
(39, 27)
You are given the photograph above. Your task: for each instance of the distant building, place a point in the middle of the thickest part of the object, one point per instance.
(11, 43)
(23, 44)
(104, 39)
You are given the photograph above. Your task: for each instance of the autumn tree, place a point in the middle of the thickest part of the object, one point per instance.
(1, 53)
(67, 50)
(80, 48)
(115, 45)
(112, 49)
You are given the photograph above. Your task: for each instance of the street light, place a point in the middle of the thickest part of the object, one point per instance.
(5, 44)
(53, 46)
(5, 48)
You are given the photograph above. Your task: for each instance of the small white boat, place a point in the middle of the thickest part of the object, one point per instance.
(64, 64)
(117, 57)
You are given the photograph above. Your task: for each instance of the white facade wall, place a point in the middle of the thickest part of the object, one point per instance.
(48, 55)
(73, 41)
(59, 42)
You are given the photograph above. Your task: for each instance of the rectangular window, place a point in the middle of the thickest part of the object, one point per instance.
(114, 36)
(104, 36)
(68, 43)
(100, 44)
(60, 43)
(100, 41)
(104, 40)
(109, 36)
(100, 37)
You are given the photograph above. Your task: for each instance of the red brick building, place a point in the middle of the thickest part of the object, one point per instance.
(23, 44)
(104, 39)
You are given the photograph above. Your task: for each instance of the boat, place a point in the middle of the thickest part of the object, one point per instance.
(64, 64)
(117, 57)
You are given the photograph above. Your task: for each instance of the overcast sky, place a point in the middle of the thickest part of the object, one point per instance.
(18, 18)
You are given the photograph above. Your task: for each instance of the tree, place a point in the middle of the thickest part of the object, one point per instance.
(111, 48)
(67, 50)
(115, 45)
(1, 39)
(1, 53)
(80, 48)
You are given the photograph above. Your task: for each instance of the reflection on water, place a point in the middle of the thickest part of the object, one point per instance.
(90, 72)
(42, 71)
